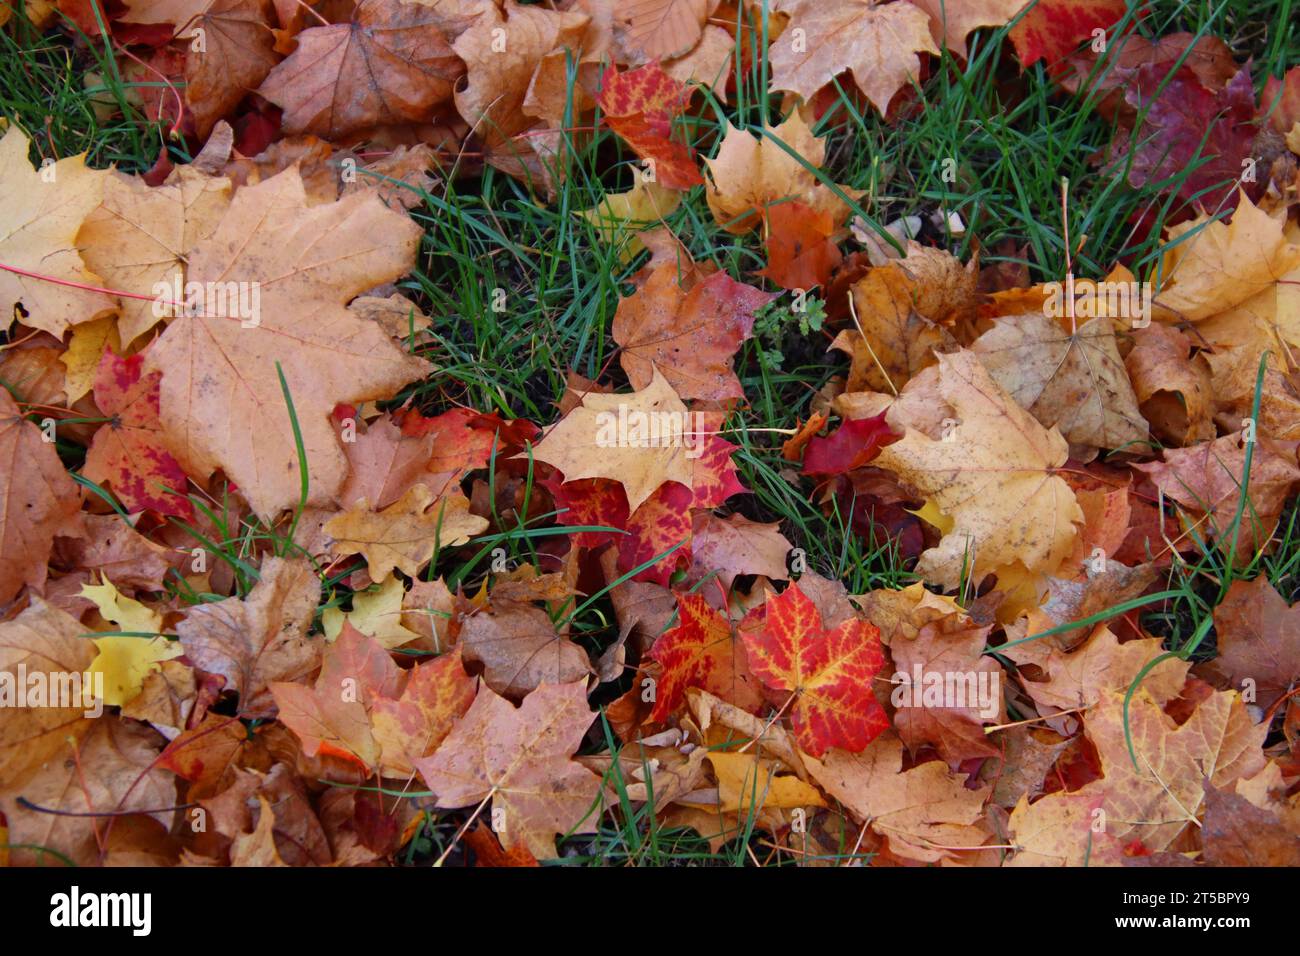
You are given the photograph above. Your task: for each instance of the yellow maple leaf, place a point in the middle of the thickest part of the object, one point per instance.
(991, 473)
(125, 660)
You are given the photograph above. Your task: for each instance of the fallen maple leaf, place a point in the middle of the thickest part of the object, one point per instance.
(41, 641)
(1080, 678)
(856, 442)
(701, 650)
(1200, 139)
(389, 64)
(1060, 830)
(688, 335)
(1220, 266)
(827, 673)
(619, 215)
(1258, 641)
(660, 526)
(407, 533)
(520, 758)
(260, 639)
(128, 453)
(334, 713)
(734, 545)
(111, 546)
(1074, 381)
(126, 660)
(969, 684)
(1052, 29)
(1238, 833)
(43, 211)
(927, 813)
(1171, 384)
(952, 20)
(586, 443)
(993, 475)
(662, 29)
(800, 251)
(501, 55)
(436, 695)
(1207, 480)
(208, 754)
(384, 463)
(37, 501)
(752, 172)
(520, 649)
(904, 312)
(222, 404)
(878, 42)
(1154, 792)
(235, 55)
(140, 236)
(111, 769)
(747, 782)
(640, 105)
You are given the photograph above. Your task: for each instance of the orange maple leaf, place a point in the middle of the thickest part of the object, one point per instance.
(640, 106)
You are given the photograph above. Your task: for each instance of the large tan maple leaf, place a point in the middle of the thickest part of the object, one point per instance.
(992, 473)
(521, 758)
(1076, 382)
(877, 42)
(141, 235)
(1155, 792)
(222, 405)
(39, 219)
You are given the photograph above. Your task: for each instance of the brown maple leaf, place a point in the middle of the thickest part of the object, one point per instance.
(1258, 640)
(520, 758)
(389, 64)
(37, 500)
(262, 638)
(519, 648)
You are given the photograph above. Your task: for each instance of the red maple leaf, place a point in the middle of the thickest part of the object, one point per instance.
(661, 522)
(589, 502)
(701, 650)
(128, 451)
(827, 673)
(1052, 29)
(714, 477)
(640, 106)
(856, 442)
(1190, 127)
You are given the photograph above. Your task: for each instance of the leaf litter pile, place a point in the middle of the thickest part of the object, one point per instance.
(273, 596)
